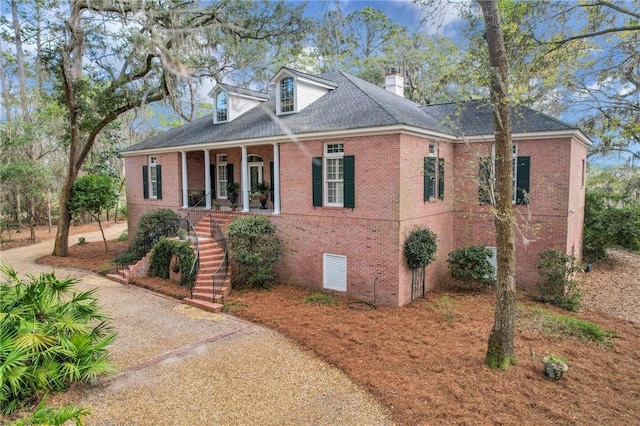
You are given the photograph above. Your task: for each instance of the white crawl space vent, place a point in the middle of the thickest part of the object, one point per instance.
(335, 272)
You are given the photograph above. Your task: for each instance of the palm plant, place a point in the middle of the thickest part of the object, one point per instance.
(50, 337)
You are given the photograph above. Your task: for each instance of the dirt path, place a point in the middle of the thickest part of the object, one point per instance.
(178, 365)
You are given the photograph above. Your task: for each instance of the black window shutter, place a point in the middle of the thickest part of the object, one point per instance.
(522, 179)
(145, 181)
(230, 173)
(316, 177)
(159, 182)
(483, 180)
(349, 181)
(429, 176)
(271, 180)
(212, 177)
(441, 178)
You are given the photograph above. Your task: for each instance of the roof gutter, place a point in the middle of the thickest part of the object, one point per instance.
(575, 133)
(369, 131)
(333, 134)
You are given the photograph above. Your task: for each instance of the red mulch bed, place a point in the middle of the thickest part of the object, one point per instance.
(425, 360)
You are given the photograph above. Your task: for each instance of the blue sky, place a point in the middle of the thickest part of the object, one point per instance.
(403, 12)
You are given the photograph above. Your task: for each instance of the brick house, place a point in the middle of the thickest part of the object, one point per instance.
(353, 167)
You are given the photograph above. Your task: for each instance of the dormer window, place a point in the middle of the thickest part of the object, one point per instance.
(287, 103)
(222, 107)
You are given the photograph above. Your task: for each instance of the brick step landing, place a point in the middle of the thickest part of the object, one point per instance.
(204, 305)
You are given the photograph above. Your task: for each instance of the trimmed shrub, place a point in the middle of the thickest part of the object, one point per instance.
(254, 247)
(558, 286)
(151, 226)
(420, 247)
(471, 266)
(159, 263)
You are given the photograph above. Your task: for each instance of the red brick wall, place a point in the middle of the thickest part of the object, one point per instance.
(367, 235)
(540, 225)
(389, 203)
(437, 215)
(171, 186)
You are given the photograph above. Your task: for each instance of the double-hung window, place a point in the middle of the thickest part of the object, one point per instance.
(333, 177)
(433, 174)
(152, 179)
(222, 175)
(334, 174)
(222, 107)
(287, 95)
(520, 178)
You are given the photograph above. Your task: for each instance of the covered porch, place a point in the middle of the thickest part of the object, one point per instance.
(243, 178)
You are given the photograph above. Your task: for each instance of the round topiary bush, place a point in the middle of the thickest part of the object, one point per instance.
(420, 247)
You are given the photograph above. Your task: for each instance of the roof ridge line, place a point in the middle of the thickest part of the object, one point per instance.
(348, 77)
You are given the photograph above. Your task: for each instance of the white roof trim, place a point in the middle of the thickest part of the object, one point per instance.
(576, 133)
(213, 92)
(370, 131)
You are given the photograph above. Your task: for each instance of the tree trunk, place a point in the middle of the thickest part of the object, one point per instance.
(32, 217)
(18, 212)
(500, 350)
(106, 248)
(71, 70)
(61, 246)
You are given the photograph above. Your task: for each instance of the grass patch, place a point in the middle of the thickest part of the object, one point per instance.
(123, 237)
(236, 305)
(550, 323)
(446, 306)
(319, 299)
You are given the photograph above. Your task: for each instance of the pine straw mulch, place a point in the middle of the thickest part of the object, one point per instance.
(425, 360)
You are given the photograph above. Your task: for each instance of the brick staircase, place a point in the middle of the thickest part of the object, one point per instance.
(204, 295)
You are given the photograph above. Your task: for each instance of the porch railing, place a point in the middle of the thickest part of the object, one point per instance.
(257, 201)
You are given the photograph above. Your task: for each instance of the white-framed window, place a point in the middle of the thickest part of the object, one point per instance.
(520, 177)
(334, 174)
(287, 95)
(256, 171)
(433, 149)
(153, 177)
(221, 175)
(222, 107)
(334, 267)
(433, 174)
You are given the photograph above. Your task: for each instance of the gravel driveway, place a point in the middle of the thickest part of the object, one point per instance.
(178, 365)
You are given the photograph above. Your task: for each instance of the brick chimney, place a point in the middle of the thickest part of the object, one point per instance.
(394, 82)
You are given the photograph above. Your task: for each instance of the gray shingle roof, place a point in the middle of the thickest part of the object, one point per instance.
(474, 118)
(353, 104)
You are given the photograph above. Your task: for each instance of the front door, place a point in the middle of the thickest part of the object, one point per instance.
(255, 175)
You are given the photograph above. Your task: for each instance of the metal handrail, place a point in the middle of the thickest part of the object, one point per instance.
(217, 231)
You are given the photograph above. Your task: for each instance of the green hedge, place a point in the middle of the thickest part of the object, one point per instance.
(159, 263)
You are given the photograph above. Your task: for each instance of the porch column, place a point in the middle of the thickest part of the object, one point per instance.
(185, 184)
(244, 180)
(207, 179)
(275, 185)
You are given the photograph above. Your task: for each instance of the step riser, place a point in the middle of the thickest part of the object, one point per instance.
(211, 257)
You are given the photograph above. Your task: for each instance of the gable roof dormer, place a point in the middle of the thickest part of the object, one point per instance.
(296, 90)
(230, 102)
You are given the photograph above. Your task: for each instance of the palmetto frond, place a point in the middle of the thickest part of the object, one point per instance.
(49, 336)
